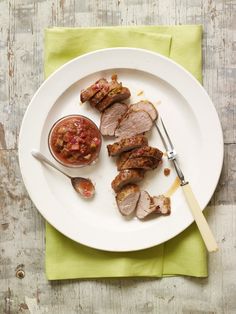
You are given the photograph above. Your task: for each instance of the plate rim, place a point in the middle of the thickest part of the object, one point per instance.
(88, 55)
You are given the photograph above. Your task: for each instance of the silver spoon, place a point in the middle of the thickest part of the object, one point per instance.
(81, 185)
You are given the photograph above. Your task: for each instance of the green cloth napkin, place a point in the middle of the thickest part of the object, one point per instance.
(183, 255)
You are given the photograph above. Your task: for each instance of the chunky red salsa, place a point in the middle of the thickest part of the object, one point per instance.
(75, 140)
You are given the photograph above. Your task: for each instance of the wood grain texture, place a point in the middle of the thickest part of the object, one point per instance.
(22, 228)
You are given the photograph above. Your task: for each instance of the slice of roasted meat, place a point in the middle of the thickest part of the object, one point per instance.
(89, 92)
(110, 118)
(146, 106)
(133, 123)
(152, 205)
(144, 151)
(104, 91)
(127, 199)
(143, 208)
(161, 204)
(145, 163)
(128, 176)
(126, 144)
(116, 95)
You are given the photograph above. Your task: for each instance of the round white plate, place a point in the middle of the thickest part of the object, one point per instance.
(191, 120)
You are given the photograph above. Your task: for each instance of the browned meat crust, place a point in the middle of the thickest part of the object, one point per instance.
(128, 176)
(116, 95)
(92, 90)
(107, 88)
(144, 151)
(126, 144)
(145, 163)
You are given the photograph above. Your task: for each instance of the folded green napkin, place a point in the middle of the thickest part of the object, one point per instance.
(183, 255)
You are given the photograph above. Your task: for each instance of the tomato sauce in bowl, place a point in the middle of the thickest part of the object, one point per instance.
(75, 141)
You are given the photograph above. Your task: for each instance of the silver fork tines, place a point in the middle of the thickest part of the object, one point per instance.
(170, 150)
(167, 135)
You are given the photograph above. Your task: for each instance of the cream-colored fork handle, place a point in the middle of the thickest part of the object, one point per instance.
(198, 216)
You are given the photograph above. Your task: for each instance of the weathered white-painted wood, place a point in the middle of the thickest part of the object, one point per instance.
(22, 228)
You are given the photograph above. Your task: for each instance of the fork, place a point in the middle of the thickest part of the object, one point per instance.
(193, 204)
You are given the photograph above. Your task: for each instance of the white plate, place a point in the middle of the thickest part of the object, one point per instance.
(191, 120)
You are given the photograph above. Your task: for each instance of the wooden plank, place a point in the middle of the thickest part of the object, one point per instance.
(23, 286)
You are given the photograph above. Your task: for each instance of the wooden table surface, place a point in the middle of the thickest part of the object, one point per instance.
(23, 286)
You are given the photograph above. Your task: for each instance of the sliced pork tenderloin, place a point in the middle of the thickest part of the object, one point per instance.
(89, 92)
(145, 163)
(127, 199)
(161, 205)
(98, 97)
(152, 205)
(146, 106)
(144, 208)
(116, 95)
(144, 151)
(128, 176)
(126, 144)
(122, 159)
(110, 118)
(134, 123)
